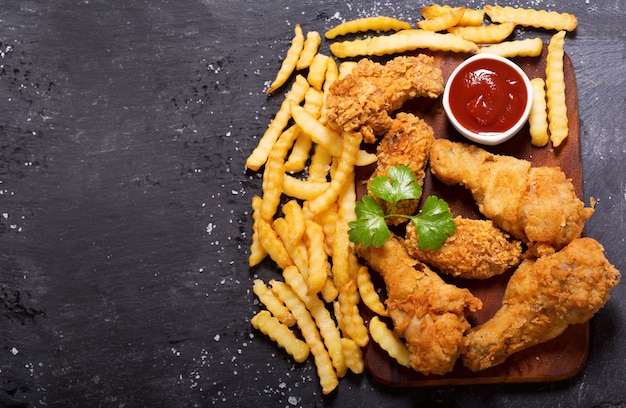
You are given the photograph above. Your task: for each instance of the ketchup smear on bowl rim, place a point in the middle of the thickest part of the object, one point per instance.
(488, 96)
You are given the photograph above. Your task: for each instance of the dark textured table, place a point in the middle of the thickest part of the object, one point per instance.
(124, 205)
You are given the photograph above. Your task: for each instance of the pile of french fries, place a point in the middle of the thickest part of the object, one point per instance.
(300, 221)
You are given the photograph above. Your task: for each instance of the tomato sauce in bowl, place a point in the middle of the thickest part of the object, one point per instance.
(488, 98)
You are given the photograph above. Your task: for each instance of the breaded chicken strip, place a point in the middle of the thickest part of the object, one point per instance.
(535, 204)
(427, 312)
(364, 99)
(542, 299)
(477, 250)
(407, 143)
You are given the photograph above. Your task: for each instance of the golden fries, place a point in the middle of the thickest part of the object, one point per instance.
(388, 341)
(538, 118)
(317, 71)
(318, 264)
(257, 252)
(273, 303)
(277, 331)
(555, 90)
(406, 40)
(484, 34)
(367, 24)
(296, 95)
(549, 20)
(440, 20)
(309, 50)
(325, 369)
(531, 47)
(368, 294)
(291, 59)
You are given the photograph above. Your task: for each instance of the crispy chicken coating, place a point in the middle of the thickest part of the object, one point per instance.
(542, 299)
(427, 312)
(364, 99)
(477, 250)
(407, 143)
(535, 204)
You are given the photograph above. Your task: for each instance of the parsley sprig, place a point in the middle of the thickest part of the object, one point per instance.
(433, 222)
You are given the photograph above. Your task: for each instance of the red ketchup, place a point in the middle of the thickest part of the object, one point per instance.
(487, 96)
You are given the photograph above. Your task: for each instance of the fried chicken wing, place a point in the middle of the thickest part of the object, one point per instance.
(542, 299)
(427, 312)
(407, 142)
(476, 250)
(364, 99)
(535, 204)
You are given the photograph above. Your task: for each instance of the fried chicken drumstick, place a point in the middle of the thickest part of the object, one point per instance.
(364, 99)
(407, 142)
(542, 299)
(427, 312)
(535, 204)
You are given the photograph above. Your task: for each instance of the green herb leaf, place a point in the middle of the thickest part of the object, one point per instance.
(434, 223)
(370, 227)
(400, 185)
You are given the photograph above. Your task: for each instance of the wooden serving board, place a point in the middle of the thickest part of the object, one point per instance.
(558, 359)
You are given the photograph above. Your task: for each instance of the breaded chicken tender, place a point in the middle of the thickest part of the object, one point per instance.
(427, 312)
(537, 205)
(477, 250)
(542, 299)
(407, 143)
(364, 99)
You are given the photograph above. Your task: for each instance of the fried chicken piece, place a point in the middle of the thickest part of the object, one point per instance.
(407, 143)
(364, 99)
(477, 250)
(542, 299)
(535, 204)
(427, 312)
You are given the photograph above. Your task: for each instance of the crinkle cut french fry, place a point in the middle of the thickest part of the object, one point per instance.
(320, 134)
(353, 355)
(402, 41)
(329, 291)
(275, 172)
(442, 21)
(352, 322)
(538, 118)
(346, 67)
(342, 247)
(319, 167)
(281, 335)
(367, 292)
(309, 50)
(295, 220)
(273, 244)
(303, 189)
(325, 370)
(550, 20)
(297, 250)
(273, 303)
(325, 323)
(384, 337)
(318, 262)
(530, 47)
(484, 34)
(555, 90)
(472, 17)
(345, 169)
(317, 71)
(378, 23)
(288, 65)
(257, 252)
(296, 94)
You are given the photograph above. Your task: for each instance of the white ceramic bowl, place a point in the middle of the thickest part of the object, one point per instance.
(488, 137)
